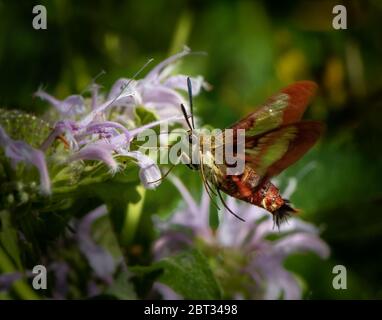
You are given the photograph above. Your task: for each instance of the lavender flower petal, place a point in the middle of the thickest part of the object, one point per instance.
(282, 283)
(159, 95)
(7, 280)
(166, 292)
(97, 151)
(301, 242)
(68, 127)
(72, 105)
(125, 98)
(94, 88)
(128, 86)
(100, 127)
(266, 228)
(179, 82)
(264, 256)
(156, 71)
(99, 259)
(136, 131)
(20, 151)
(149, 173)
(61, 287)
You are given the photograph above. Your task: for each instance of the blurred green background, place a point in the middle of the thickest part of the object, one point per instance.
(254, 48)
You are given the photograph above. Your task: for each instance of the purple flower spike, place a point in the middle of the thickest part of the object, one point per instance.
(19, 151)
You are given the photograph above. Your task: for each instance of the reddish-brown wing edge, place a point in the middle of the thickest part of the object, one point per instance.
(300, 94)
(308, 134)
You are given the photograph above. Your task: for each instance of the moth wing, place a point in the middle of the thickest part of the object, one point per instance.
(285, 107)
(274, 151)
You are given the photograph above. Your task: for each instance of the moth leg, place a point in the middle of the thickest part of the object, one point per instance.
(226, 206)
(164, 175)
(205, 182)
(169, 170)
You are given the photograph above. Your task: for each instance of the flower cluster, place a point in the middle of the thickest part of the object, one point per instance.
(249, 253)
(83, 134)
(101, 128)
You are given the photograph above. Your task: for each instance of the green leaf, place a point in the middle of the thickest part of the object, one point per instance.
(124, 202)
(123, 194)
(20, 125)
(122, 288)
(187, 273)
(144, 116)
(214, 216)
(8, 239)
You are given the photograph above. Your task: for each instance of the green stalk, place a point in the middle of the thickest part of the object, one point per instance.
(133, 216)
(125, 214)
(182, 32)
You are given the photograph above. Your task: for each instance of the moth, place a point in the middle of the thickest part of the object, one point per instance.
(275, 138)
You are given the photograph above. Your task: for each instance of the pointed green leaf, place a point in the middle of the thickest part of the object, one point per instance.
(187, 273)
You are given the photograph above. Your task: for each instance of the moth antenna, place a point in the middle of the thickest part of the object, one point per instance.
(189, 87)
(185, 115)
(226, 206)
(163, 176)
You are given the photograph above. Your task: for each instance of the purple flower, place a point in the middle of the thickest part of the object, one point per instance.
(159, 89)
(60, 270)
(93, 132)
(19, 151)
(149, 172)
(97, 151)
(256, 257)
(7, 280)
